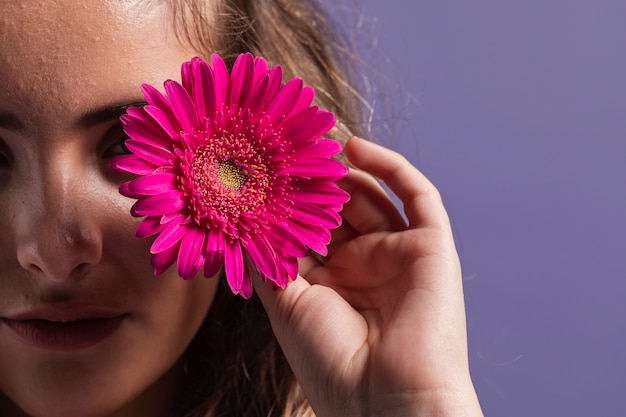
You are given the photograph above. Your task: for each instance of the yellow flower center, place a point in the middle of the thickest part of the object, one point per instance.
(230, 175)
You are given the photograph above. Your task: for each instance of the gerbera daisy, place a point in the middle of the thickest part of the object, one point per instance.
(232, 171)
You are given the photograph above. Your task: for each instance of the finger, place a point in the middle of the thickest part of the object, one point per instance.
(303, 313)
(341, 235)
(370, 209)
(422, 202)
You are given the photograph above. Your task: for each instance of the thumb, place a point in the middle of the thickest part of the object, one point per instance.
(312, 323)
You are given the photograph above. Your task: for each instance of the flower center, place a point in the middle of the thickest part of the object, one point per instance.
(230, 175)
(228, 181)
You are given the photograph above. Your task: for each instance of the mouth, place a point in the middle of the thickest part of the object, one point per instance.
(64, 330)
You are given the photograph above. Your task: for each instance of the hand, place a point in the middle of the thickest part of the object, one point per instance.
(379, 329)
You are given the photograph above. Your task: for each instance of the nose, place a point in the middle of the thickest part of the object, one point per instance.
(57, 235)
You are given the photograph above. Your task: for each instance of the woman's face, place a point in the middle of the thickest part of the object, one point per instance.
(85, 326)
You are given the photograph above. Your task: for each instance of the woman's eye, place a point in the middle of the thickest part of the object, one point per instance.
(115, 143)
(6, 157)
(116, 148)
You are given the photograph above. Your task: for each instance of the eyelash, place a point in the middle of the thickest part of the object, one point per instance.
(113, 146)
(114, 141)
(6, 156)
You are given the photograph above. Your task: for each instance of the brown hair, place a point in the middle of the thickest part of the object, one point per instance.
(234, 365)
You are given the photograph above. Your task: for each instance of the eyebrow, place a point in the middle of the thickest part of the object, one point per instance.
(106, 113)
(90, 118)
(9, 121)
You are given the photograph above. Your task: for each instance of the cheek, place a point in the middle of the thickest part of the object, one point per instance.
(171, 307)
(166, 308)
(166, 296)
(176, 306)
(164, 314)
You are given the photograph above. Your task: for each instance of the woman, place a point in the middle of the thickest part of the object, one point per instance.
(377, 328)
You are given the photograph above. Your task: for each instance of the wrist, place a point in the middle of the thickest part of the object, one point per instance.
(449, 404)
(433, 403)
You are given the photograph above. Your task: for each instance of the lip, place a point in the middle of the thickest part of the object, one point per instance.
(66, 328)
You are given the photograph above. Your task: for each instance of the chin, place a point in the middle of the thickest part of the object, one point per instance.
(75, 387)
(37, 404)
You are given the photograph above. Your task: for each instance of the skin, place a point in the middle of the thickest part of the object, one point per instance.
(381, 325)
(378, 330)
(66, 235)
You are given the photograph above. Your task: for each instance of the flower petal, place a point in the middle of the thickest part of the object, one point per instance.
(163, 260)
(139, 125)
(191, 253)
(203, 89)
(315, 238)
(307, 125)
(220, 77)
(246, 284)
(233, 264)
(171, 235)
(156, 205)
(280, 237)
(304, 101)
(291, 268)
(261, 69)
(182, 106)
(273, 86)
(326, 193)
(262, 256)
(322, 148)
(155, 98)
(153, 184)
(281, 278)
(153, 154)
(149, 226)
(132, 164)
(187, 76)
(125, 191)
(284, 101)
(214, 252)
(167, 122)
(311, 214)
(318, 168)
(241, 81)
(259, 95)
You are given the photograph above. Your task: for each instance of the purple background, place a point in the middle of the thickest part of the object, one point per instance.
(516, 110)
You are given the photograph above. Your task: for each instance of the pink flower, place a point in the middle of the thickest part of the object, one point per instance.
(232, 171)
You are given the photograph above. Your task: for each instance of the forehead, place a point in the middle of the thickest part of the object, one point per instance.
(77, 53)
